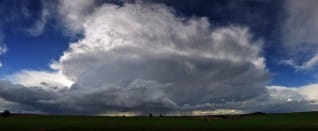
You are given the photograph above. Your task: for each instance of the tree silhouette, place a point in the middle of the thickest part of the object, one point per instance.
(150, 114)
(6, 113)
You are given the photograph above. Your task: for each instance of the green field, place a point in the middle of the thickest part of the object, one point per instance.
(291, 121)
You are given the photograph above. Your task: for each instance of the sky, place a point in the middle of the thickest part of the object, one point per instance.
(174, 57)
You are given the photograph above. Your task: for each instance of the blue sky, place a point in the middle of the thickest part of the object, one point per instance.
(32, 52)
(232, 50)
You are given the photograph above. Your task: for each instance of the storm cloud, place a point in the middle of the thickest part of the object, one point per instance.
(141, 57)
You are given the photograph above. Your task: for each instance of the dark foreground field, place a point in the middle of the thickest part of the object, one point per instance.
(292, 121)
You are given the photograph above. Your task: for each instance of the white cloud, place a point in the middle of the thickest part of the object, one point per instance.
(73, 14)
(142, 57)
(47, 80)
(306, 65)
(303, 98)
(310, 92)
(311, 62)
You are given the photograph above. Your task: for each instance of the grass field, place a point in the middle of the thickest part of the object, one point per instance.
(291, 121)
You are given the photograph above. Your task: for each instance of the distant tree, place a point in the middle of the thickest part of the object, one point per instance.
(150, 114)
(6, 113)
(161, 115)
(258, 113)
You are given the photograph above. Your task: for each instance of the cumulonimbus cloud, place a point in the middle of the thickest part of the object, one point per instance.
(141, 57)
(148, 42)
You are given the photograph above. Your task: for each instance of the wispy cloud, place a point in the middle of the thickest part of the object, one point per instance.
(307, 65)
(39, 25)
(299, 34)
(3, 47)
